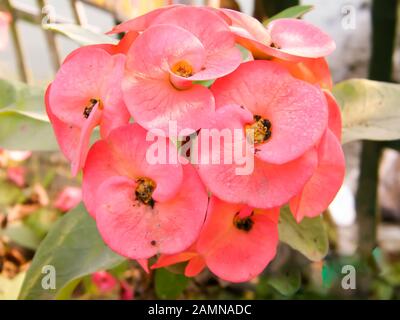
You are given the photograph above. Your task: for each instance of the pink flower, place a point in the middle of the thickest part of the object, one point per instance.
(126, 291)
(181, 45)
(288, 39)
(17, 175)
(141, 209)
(104, 281)
(68, 198)
(288, 117)
(236, 242)
(5, 19)
(86, 93)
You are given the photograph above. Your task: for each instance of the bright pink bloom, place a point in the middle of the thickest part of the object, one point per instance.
(141, 209)
(104, 281)
(296, 114)
(236, 242)
(5, 19)
(183, 45)
(326, 181)
(86, 93)
(68, 198)
(17, 175)
(126, 291)
(288, 39)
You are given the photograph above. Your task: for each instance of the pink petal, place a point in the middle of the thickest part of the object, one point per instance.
(297, 110)
(232, 254)
(300, 38)
(195, 266)
(67, 135)
(314, 71)
(93, 120)
(326, 181)
(219, 64)
(115, 113)
(142, 22)
(122, 47)
(104, 281)
(251, 26)
(5, 20)
(168, 260)
(335, 115)
(287, 39)
(144, 263)
(124, 153)
(17, 175)
(140, 231)
(68, 198)
(206, 25)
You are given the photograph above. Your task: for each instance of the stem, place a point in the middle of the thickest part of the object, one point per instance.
(384, 15)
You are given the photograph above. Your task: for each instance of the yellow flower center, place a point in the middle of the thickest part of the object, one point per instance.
(144, 191)
(183, 69)
(259, 131)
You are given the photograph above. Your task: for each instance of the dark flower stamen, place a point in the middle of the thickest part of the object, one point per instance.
(259, 131)
(88, 109)
(144, 191)
(245, 224)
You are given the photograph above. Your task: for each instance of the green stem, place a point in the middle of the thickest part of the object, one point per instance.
(384, 15)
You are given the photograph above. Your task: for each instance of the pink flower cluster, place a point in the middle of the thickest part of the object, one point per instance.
(277, 98)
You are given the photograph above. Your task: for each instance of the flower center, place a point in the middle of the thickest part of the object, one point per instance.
(259, 131)
(88, 109)
(144, 191)
(245, 224)
(183, 69)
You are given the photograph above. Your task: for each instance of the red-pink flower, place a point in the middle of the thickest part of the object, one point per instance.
(236, 242)
(68, 198)
(289, 39)
(141, 209)
(17, 175)
(182, 45)
(104, 281)
(288, 117)
(86, 93)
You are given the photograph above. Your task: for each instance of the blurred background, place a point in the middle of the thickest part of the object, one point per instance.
(363, 222)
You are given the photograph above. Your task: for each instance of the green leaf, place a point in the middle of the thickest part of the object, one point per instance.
(292, 12)
(169, 285)
(21, 235)
(370, 109)
(308, 237)
(82, 36)
(75, 249)
(286, 282)
(24, 124)
(21, 130)
(9, 194)
(22, 97)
